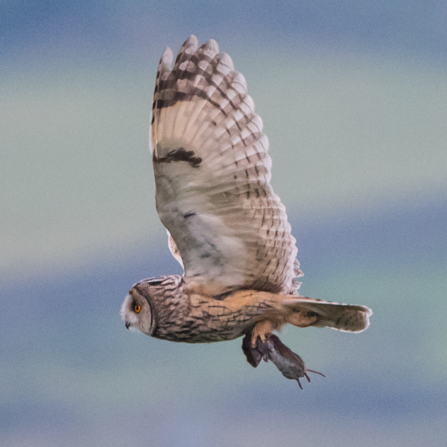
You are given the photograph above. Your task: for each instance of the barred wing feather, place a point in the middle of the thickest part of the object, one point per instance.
(212, 174)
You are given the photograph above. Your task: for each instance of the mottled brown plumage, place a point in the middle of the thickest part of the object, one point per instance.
(226, 226)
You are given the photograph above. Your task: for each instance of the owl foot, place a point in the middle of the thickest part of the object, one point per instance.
(290, 364)
(262, 330)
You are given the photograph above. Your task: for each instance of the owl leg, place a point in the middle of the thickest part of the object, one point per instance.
(303, 318)
(262, 330)
(290, 364)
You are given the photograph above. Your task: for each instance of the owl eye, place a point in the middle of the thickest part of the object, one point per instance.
(137, 308)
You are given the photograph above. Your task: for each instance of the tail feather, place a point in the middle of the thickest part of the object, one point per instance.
(342, 317)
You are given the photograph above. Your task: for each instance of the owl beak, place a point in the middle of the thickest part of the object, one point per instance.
(128, 324)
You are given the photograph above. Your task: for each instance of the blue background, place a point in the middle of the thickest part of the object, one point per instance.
(354, 101)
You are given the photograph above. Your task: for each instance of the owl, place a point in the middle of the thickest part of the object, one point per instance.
(226, 226)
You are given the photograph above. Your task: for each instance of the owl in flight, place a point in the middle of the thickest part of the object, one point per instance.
(226, 226)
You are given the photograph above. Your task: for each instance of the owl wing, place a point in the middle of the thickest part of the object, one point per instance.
(174, 249)
(212, 175)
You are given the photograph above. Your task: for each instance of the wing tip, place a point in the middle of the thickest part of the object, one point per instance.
(168, 57)
(228, 61)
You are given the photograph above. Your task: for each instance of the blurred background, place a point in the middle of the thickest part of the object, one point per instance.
(354, 101)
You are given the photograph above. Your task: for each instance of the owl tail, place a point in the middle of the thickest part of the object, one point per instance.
(306, 312)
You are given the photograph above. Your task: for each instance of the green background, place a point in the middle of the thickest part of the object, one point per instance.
(353, 96)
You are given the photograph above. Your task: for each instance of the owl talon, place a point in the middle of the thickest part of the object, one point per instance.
(290, 364)
(262, 330)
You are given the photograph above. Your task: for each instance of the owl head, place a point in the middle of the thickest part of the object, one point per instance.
(137, 313)
(140, 309)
